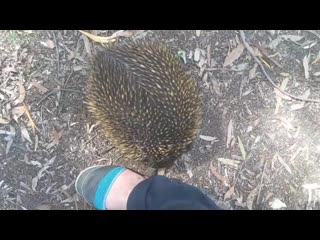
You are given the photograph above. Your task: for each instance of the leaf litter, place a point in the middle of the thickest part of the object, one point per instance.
(233, 55)
(248, 138)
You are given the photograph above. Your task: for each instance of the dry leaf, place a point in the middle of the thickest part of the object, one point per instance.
(43, 207)
(34, 183)
(286, 123)
(311, 186)
(182, 54)
(216, 174)
(119, 33)
(273, 44)
(209, 55)
(50, 145)
(36, 163)
(296, 135)
(10, 138)
(247, 92)
(283, 87)
(229, 193)
(9, 69)
(51, 161)
(197, 54)
(36, 143)
(306, 94)
(251, 197)
(45, 44)
(266, 53)
(252, 72)
(242, 149)
(41, 172)
(77, 68)
(280, 95)
(308, 44)
(41, 88)
(205, 77)
(140, 34)
(56, 136)
(284, 164)
(294, 38)
(233, 55)
(122, 33)
(249, 129)
(207, 138)
(257, 139)
(265, 63)
(50, 44)
(298, 106)
(295, 107)
(216, 87)
(295, 154)
(99, 39)
(10, 133)
(5, 132)
(316, 74)
(87, 44)
(277, 204)
(285, 74)
(3, 121)
(271, 32)
(33, 125)
(201, 65)
(190, 56)
(17, 112)
(25, 134)
(269, 195)
(306, 66)
(240, 67)
(9, 143)
(317, 59)
(231, 162)
(190, 173)
(230, 133)
(22, 92)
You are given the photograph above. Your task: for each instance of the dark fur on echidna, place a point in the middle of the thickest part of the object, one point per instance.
(148, 106)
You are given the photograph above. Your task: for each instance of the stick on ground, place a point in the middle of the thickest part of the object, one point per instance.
(250, 50)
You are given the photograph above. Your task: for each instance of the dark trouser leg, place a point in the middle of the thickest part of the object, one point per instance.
(161, 193)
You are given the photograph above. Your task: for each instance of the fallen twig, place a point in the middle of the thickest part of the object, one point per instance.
(219, 69)
(60, 96)
(238, 174)
(55, 91)
(33, 125)
(106, 151)
(90, 139)
(58, 58)
(250, 50)
(265, 53)
(314, 33)
(261, 182)
(22, 207)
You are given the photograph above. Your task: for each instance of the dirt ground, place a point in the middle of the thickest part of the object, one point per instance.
(258, 149)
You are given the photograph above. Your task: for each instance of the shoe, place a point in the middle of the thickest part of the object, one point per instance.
(94, 183)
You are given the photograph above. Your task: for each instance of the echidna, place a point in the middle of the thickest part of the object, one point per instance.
(148, 106)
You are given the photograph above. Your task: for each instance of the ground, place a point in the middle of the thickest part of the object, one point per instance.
(258, 149)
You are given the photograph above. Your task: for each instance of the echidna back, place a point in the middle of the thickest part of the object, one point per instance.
(148, 106)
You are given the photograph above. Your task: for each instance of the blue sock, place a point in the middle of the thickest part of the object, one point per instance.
(105, 186)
